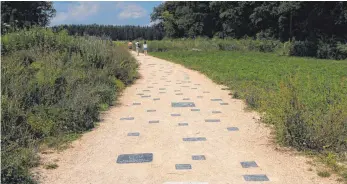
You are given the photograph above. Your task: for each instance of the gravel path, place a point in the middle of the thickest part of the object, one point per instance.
(184, 129)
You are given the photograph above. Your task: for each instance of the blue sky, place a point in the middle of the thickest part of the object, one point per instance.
(103, 12)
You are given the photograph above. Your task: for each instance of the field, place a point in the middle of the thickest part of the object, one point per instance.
(305, 99)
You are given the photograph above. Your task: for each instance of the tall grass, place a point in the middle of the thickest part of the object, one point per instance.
(54, 85)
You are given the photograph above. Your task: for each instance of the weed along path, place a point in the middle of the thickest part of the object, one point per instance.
(175, 126)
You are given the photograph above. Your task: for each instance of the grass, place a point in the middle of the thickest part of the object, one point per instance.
(51, 166)
(324, 174)
(304, 98)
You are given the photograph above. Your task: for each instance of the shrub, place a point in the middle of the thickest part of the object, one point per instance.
(54, 84)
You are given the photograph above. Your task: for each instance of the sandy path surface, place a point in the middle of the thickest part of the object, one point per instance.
(93, 158)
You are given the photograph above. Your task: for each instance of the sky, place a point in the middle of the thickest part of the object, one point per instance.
(103, 12)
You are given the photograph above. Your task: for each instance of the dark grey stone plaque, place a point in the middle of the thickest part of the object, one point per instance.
(140, 94)
(194, 88)
(248, 164)
(194, 139)
(151, 110)
(136, 103)
(153, 121)
(128, 118)
(182, 124)
(216, 99)
(175, 114)
(186, 98)
(162, 92)
(135, 158)
(155, 99)
(183, 166)
(198, 157)
(233, 129)
(256, 177)
(194, 110)
(216, 112)
(145, 96)
(182, 104)
(133, 134)
(161, 88)
(177, 90)
(212, 120)
(179, 93)
(224, 103)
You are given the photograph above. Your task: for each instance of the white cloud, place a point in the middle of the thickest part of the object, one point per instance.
(79, 11)
(130, 11)
(154, 22)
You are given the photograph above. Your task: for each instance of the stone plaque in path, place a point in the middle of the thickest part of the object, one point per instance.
(151, 110)
(128, 118)
(212, 120)
(198, 157)
(224, 103)
(233, 129)
(216, 99)
(248, 164)
(194, 139)
(182, 124)
(135, 158)
(182, 104)
(133, 134)
(153, 121)
(216, 112)
(183, 166)
(256, 177)
(175, 114)
(195, 110)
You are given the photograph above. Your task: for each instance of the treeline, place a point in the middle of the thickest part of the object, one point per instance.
(279, 20)
(114, 32)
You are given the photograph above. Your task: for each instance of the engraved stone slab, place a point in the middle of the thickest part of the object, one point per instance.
(145, 96)
(177, 90)
(182, 104)
(151, 110)
(140, 94)
(150, 87)
(186, 98)
(183, 166)
(185, 86)
(136, 103)
(182, 124)
(197, 84)
(135, 158)
(200, 96)
(175, 114)
(161, 88)
(198, 157)
(194, 110)
(205, 92)
(166, 85)
(133, 134)
(190, 182)
(154, 83)
(194, 139)
(224, 103)
(146, 90)
(212, 120)
(128, 118)
(153, 121)
(194, 88)
(155, 99)
(216, 99)
(178, 83)
(248, 164)
(216, 112)
(179, 93)
(162, 92)
(233, 129)
(256, 177)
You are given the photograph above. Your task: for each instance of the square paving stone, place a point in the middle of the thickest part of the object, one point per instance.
(133, 134)
(182, 124)
(194, 110)
(145, 96)
(233, 129)
(256, 177)
(153, 121)
(248, 164)
(186, 98)
(175, 114)
(151, 110)
(216, 112)
(194, 139)
(216, 99)
(198, 157)
(183, 166)
(128, 118)
(224, 103)
(212, 120)
(135, 158)
(182, 104)
(155, 99)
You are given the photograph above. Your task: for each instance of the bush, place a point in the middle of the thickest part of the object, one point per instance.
(54, 84)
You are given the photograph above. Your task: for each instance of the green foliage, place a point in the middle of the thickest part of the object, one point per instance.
(54, 85)
(304, 98)
(323, 174)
